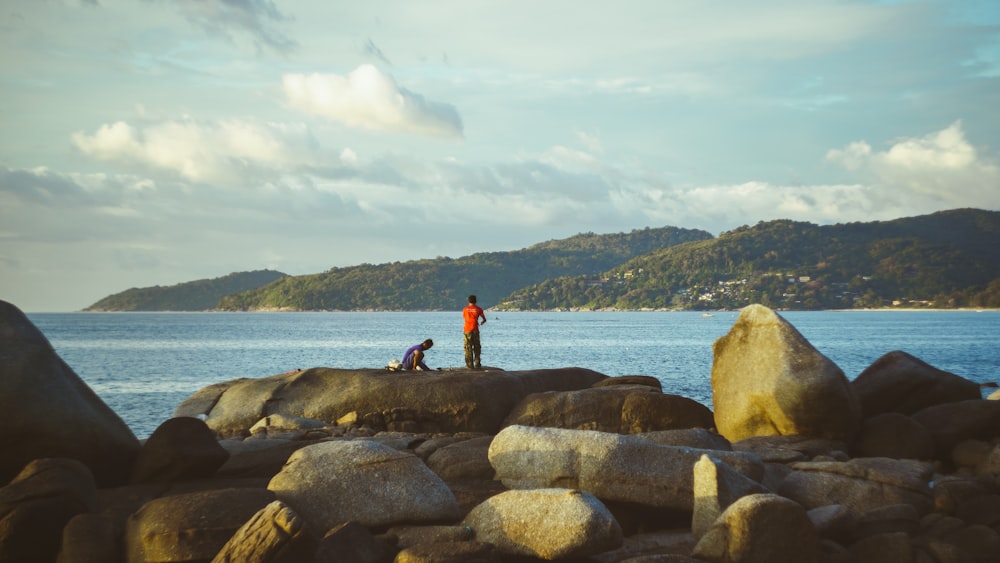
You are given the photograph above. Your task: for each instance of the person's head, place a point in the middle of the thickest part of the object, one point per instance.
(472, 299)
(426, 344)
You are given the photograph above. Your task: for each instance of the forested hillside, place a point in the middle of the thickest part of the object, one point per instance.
(947, 259)
(444, 283)
(197, 295)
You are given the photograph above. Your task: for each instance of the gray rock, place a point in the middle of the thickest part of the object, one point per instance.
(861, 484)
(767, 379)
(351, 542)
(192, 526)
(179, 449)
(647, 380)
(952, 423)
(881, 548)
(89, 538)
(275, 534)
(447, 401)
(624, 409)
(36, 505)
(901, 383)
(49, 412)
(894, 435)
(716, 486)
(700, 438)
(451, 552)
(545, 523)
(467, 459)
(613, 467)
(762, 527)
(333, 482)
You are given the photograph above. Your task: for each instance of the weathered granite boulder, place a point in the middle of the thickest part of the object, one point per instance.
(451, 552)
(37, 504)
(716, 486)
(700, 438)
(623, 409)
(767, 379)
(352, 542)
(274, 534)
(613, 467)
(89, 538)
(545, 523)
(894, 435)
(446, 401)
(861, 484)
(761, 527)
(647, 380)
(952, 423)
(468, 459)
(899, 382)
(192, 526)
(332, 482)
(181, 448)
(48, 411)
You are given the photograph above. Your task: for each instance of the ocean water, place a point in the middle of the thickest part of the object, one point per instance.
(145, 364)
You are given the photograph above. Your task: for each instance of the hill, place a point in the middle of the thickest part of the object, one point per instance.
(947, 259)
(443, 283)
(197, 295)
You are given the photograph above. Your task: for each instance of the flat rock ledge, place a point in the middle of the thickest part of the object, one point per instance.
(794, 463)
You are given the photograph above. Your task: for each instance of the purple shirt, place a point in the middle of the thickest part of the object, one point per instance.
(408, 358)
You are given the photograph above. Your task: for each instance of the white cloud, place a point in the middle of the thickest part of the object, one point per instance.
(370, 99)
(942, 167)
(224, 151)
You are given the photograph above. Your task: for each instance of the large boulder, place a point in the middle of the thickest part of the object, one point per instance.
(716, 487)
(545, 523)
(894, 435)
(760, 527)
(952, 423)
(623, 409)
(179, 449)
(373, 484)
(613, 467)
(447, 401)
(192, 526)
(861, 484)
(37, 505)
(767, 379)
(48, 411)
(901, 383)
(275, 534)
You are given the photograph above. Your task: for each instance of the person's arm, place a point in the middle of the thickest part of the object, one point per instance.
(483, 315)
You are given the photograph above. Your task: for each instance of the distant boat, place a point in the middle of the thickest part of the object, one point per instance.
(706, 315)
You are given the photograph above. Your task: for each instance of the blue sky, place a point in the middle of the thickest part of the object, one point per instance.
(155, 142)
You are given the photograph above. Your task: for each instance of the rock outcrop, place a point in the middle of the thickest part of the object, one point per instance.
(46, 410)
(767, 379)
(612, 467)
(901, 383)
(450, 401)
(369, 466)
(623, 409)
(364, 481)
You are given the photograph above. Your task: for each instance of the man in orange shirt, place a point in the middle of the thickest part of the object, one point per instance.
(472, 313)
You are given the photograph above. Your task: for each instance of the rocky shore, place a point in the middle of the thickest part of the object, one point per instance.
(793, 463)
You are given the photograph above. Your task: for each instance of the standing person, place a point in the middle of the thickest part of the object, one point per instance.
(413, 358)
(472, 313)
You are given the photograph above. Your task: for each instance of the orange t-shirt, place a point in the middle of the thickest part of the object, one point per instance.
(471, 313)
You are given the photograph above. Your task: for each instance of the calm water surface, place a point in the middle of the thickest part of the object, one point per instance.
(145, 364)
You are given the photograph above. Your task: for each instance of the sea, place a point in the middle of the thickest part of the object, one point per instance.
(143, 365)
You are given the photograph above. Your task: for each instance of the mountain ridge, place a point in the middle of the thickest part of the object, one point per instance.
(945, 259)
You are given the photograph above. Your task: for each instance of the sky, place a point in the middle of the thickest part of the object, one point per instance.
(155, 142)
